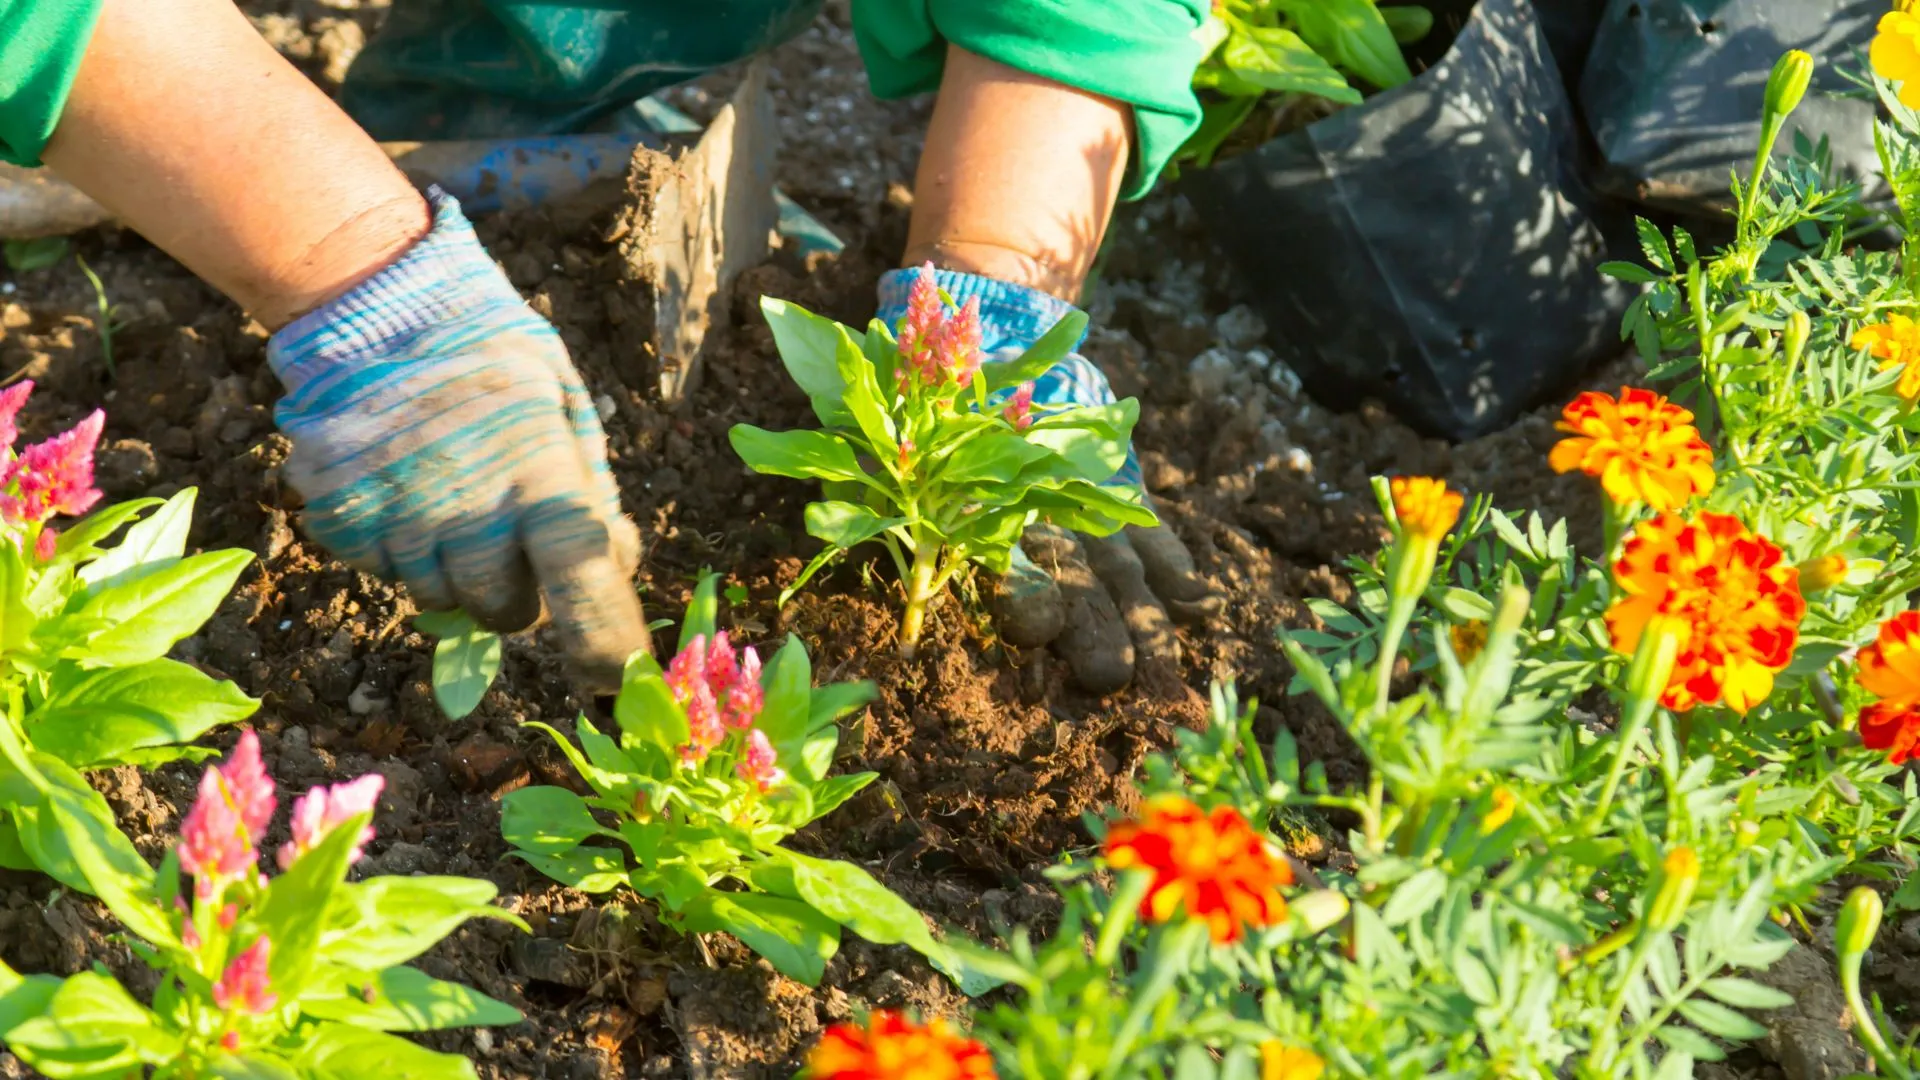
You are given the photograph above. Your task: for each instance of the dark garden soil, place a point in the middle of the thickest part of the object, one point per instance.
(987, 756)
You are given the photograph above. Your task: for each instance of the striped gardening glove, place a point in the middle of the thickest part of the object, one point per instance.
(1103, 602)
(442, 438)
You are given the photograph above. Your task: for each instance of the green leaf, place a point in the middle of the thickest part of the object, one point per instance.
(1415, 896)
(547, 820)
(852, 897)
(140, 620)
(22, 999)
(845, 524)
(395, 919)
(345, 1052)
(1353, 35)
(90, 718)
(1629, 272)
(1053, 347)
(253, 1065)
(290, 913)
(864, 397)
(646, 711)
(835, 700)
(71, 834)
(407, 999)
(589, 869)
(797, 940)
(37, 253)
(83, 539)
(836, 790)
(92, 1027)
(1716, 1019)
(159, 540)
(1690, 1042)
(465, 660)
(809, 347)
(703, 612)
(1746, 994)
(1409, 24)
(788, 679)
(1276, 59)
(801, 454)
(999, 456)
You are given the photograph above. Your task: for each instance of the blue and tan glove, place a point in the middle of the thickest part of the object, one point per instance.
(441, 437)
(1103, 602)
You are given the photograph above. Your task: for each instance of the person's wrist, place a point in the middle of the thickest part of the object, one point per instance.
(347, 255)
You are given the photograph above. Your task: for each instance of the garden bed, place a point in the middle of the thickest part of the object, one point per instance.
(987, 756)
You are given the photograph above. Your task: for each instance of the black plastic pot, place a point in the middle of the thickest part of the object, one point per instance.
(1673, 88)
(1434, 247)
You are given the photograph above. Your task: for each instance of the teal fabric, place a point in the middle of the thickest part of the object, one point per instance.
(445, 69)
(41, 44)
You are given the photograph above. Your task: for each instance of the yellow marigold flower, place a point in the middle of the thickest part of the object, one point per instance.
(1278, 1061)
(1895, 53)
(1729, 593)
(1425, 507)
(1822, 573)
(1500, 812)
(1640, 446)
(1468, 639)
(1213, 866)
(1896, 342)
(1679, 875)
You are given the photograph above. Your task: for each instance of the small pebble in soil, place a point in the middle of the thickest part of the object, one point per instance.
(482, 1041)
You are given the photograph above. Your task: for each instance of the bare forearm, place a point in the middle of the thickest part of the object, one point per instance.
(1019, 177)
(197, 134)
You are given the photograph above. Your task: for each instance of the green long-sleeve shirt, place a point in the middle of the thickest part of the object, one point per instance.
(471, 68)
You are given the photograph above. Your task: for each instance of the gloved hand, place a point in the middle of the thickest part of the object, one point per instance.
(1106, 603)
(442, 437)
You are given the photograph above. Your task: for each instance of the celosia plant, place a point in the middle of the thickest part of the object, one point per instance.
(719, 760)
(937, 456)
(83, 656)
(299, 975)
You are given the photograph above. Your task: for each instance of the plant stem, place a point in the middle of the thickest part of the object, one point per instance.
(921, 589)
(1866, 1029)
(1646, 678)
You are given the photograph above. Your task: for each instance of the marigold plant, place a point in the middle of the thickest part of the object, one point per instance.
(1642, 448)
(1896, 344)
(1890, 670)
(891, 1047)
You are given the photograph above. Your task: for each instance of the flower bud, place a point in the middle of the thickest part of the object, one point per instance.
(1317, 910)
(1822, 573)
(1679, 875)
(1857, 924)
(1798, 329)
(1788, 83)
(1500, 812)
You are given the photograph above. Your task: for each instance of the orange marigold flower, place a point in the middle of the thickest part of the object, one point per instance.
(1424, 505)
(1895, 343)
(1641, 447)
(1278, 1061)
(1214, 866)
(1729, 594)
(1890, 670)
(892, 1047)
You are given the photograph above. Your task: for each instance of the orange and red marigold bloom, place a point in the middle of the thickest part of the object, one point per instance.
(1640, 446)
(1214, 866)
(1896, 342)
(1890, 670)
(1729, 595)
(892, 1047)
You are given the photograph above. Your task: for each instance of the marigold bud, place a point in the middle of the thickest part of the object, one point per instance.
(1317, 910)
(1679, 876)
(1500, 812)
(1792, 73)
(1794, 336)
(1822, 573)
(1858, 922)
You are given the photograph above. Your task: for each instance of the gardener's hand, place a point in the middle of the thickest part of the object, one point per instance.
(1106, 603)
(442, 437)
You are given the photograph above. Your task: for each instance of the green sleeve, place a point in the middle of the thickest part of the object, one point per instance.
(41, 43)
(1142, 52)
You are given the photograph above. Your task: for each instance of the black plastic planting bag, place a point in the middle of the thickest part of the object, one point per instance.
(1673, 88)
(1569, 25)
(1434, 247)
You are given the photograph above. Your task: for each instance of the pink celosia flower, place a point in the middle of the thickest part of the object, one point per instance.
(1019, 410)
(46, 543)
(925, 314)
(11, 399)
(957, 346)
(687, 669)
(233, 808)
(325, 809)
(230, 1042)
(745, 697)
(55, 476)
(244, 985)
(705, 728)
(759, 764)
(723, 664)
(228, 916)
